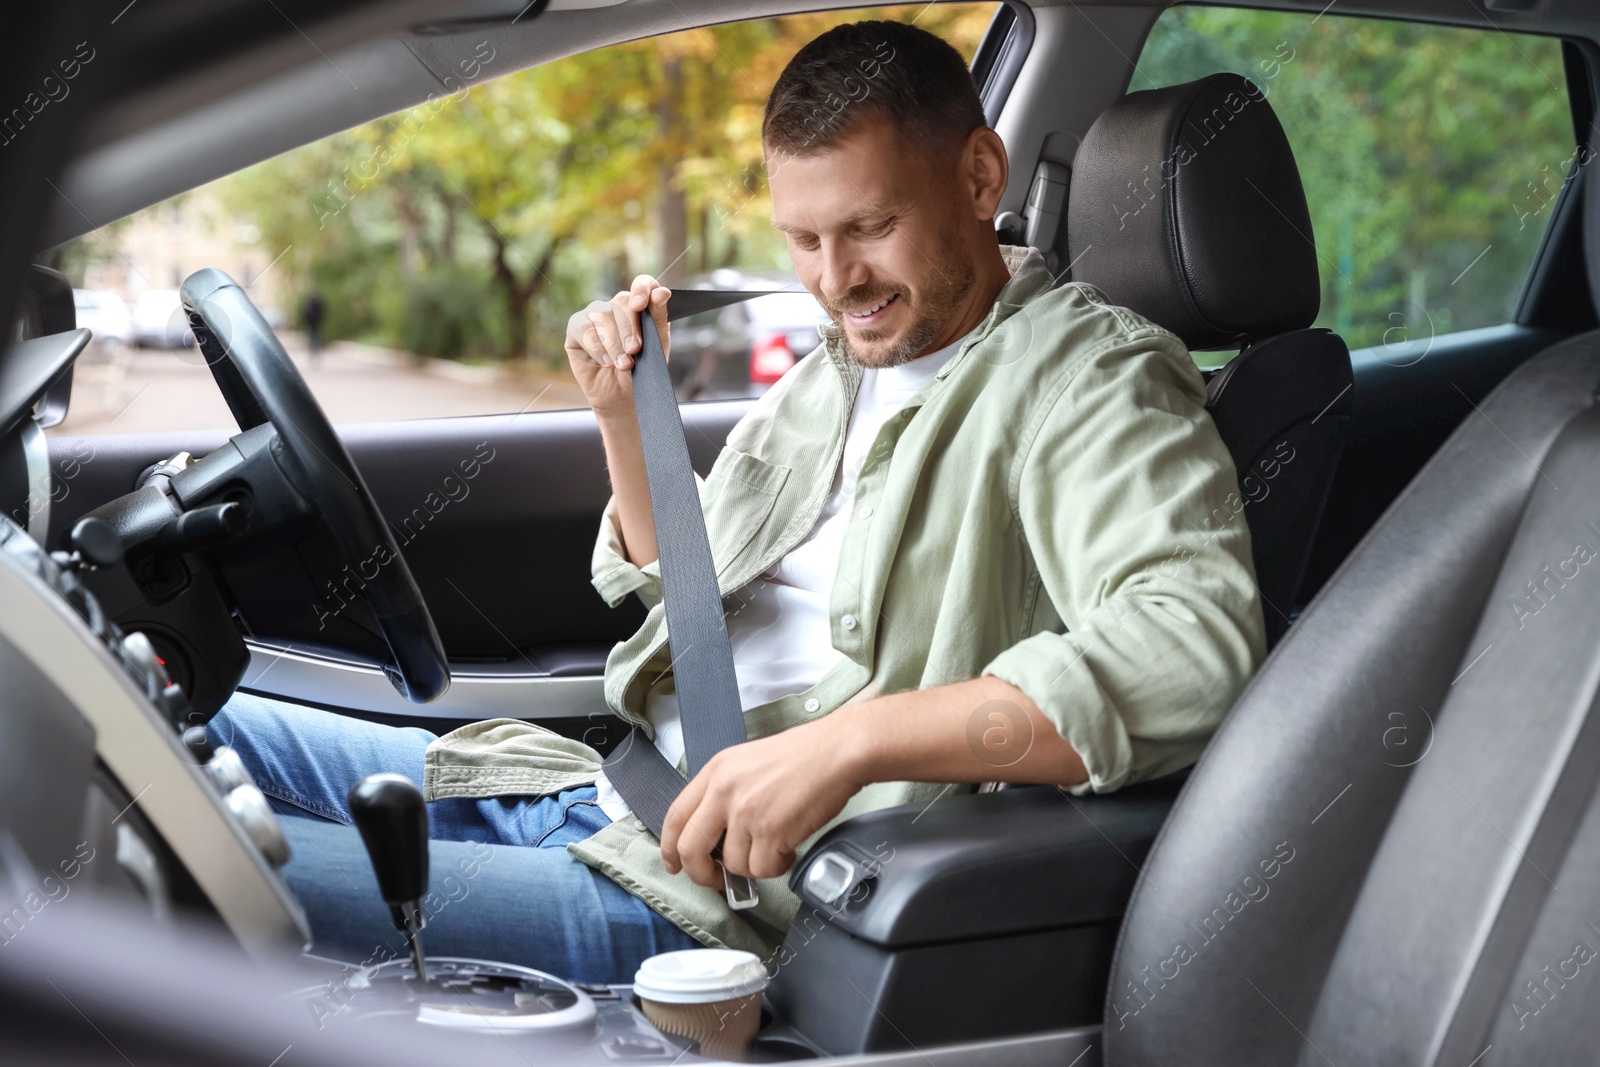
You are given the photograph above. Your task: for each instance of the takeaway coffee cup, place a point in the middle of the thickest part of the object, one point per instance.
(710, 995)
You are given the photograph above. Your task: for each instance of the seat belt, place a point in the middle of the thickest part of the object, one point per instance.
(702, 658)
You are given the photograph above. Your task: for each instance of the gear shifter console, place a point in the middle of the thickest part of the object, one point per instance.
(393, 819)
(389, 811)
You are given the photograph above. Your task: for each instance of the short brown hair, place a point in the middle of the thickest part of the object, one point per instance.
(910, 76)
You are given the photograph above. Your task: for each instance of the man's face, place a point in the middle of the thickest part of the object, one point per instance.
(880, 232)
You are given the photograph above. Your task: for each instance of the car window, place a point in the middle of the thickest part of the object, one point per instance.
(435, 255)
(1431, 155)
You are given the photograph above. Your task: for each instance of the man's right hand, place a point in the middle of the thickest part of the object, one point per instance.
(603, 338)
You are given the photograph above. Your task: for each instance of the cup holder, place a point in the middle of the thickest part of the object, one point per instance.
(776, 1048)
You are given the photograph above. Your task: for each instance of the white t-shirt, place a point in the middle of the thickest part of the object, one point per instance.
(778, 624)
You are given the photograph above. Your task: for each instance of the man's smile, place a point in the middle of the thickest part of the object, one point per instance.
(872, 313)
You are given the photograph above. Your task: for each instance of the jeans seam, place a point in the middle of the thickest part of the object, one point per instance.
(289, 797)
(566, 811)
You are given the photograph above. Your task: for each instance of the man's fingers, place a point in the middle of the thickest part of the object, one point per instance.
(671, 828)
(625, 328)
(769, 860)
(677, 817)
(700, 836)
(607, 347)
(582, 336)
(658, 311)
(736, 851)
(641, 289)
(608, 331)
(658, 307)
(626, 316)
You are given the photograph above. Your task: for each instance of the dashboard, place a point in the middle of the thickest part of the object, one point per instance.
(96, 770)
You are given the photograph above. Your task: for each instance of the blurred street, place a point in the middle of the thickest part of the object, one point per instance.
(131, 390)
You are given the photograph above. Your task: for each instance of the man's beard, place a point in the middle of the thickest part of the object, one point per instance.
(952, 281)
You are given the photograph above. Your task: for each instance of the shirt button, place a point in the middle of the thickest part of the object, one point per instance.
(866, 512)
(813, 704)
(848, 622)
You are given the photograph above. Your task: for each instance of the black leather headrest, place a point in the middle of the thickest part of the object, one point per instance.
(1186, 206)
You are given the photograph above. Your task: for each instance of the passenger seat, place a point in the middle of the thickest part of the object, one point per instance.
(1390, 853)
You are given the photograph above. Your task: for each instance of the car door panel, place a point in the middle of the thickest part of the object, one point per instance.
(496, 516)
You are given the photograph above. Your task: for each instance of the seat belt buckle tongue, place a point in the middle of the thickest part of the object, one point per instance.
(739, 890)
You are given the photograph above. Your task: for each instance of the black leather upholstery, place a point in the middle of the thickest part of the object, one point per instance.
(1418, 762)
(959, 905)
(1282, 407)
(1186, 206)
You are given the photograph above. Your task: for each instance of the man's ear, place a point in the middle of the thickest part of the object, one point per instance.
(985, 167)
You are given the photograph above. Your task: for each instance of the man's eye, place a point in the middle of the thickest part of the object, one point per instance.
(879, 229)
(806, 244)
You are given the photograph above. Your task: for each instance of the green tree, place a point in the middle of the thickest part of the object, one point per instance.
(477, 221)
(1429, 154)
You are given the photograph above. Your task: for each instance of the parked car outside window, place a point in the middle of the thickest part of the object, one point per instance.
(159, 321)
(742, 350)
(105, 315)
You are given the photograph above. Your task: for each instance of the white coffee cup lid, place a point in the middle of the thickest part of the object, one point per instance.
(699, 976)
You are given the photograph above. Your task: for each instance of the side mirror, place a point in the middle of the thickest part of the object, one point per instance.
(47, 308)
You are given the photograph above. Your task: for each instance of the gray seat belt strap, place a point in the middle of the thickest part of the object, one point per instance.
(702, 659)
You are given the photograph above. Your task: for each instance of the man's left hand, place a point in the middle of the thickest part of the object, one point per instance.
(762, 799)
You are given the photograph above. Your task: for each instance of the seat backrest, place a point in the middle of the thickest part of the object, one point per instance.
(1186, 206)
(1390, 852)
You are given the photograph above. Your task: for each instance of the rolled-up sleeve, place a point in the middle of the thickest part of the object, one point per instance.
(612, 574)
(1129, 501)
(614, 577)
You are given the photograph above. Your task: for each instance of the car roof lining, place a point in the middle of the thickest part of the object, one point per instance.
(216, 117)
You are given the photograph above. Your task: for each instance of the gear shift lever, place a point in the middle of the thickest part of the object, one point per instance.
(393, 819)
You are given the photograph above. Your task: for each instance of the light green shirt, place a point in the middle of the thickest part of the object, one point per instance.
(1054, 508)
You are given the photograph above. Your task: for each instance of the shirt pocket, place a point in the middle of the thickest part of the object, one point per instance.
(739, 496)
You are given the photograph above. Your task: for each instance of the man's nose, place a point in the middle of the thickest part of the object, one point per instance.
(842, 270)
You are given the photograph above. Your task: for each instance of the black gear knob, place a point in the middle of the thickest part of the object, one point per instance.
(393, 819)
(389, 811)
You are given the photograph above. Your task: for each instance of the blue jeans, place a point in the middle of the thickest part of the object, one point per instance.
(501, 883)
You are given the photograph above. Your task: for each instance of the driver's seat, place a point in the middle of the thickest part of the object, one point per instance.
(1186, 206)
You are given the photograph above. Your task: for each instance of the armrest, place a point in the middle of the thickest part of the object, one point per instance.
(980, 916)
(984, 865)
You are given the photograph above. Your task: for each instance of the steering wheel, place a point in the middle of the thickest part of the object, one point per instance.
(261, 385)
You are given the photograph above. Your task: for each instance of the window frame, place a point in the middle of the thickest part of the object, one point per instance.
(1556, 291)
(1001, 55)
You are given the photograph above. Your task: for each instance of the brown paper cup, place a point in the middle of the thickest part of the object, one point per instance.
(724, 1028)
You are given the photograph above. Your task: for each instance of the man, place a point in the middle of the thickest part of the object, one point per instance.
(969, 539)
